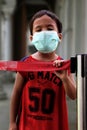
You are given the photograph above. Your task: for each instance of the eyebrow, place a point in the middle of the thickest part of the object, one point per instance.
(38, 26)
(48, 25)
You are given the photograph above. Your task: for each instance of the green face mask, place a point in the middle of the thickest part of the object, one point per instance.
(45, 41)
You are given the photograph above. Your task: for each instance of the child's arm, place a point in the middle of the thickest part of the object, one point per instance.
(67, 79)
(15, 101)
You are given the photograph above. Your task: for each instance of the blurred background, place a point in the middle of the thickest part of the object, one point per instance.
(14, 41)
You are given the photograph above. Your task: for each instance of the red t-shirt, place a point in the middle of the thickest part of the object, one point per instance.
(43, 101)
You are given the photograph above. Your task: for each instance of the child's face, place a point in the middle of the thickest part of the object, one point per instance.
(44, 23)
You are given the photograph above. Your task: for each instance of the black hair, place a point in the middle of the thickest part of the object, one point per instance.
(50, 14)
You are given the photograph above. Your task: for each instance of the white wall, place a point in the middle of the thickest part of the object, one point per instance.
(72, 14)
(84, 31)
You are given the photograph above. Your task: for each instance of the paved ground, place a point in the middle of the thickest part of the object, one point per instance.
(4, 109)
(72, 114)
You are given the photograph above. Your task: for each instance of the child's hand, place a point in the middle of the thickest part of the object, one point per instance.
(13, 127)
(63, 73)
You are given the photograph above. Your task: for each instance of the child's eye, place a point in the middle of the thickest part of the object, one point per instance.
(38, 30)
(50, 29)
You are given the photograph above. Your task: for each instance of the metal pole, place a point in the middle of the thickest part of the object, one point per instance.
(82, 92)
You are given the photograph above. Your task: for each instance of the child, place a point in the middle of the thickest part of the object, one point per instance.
(42, 94)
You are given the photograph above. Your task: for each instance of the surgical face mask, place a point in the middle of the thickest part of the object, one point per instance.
(45, 41)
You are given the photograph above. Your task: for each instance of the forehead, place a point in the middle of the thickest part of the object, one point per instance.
(44, 20)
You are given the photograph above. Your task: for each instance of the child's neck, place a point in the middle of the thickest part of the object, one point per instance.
(45, 56)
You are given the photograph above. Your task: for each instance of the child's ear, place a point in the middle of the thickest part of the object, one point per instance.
(60, 36)
(31, 37)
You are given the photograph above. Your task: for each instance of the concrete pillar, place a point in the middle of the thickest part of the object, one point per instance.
(2, 92)
(6, 37)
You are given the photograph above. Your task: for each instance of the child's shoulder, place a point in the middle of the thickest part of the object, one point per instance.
(24, 58)
(28, 58)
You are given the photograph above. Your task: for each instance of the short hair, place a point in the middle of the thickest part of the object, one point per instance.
(50, 14)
